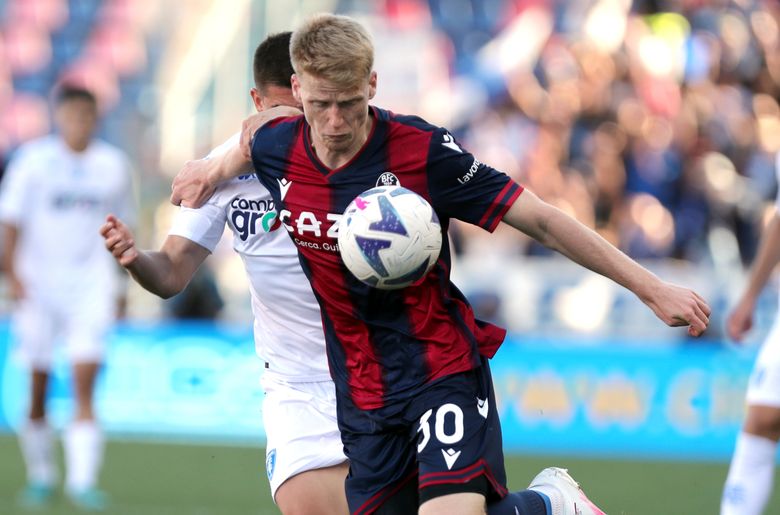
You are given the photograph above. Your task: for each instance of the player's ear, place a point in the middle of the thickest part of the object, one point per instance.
(257, 99)
(296, 88)
(372, 85)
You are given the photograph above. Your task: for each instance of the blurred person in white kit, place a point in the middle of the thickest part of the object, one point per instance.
(66, 290)
(751, 472)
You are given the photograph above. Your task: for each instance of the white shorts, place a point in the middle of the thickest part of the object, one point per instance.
(40, 326)
(300, 426)
(764, 384)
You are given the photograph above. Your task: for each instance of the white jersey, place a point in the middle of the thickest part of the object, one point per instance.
(764, 384)
(58, 199)
(287, 326)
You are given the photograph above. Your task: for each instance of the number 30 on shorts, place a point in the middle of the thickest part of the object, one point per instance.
(443, 413)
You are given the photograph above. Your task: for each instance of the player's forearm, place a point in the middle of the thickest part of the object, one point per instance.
(227, 165)
(767, 258)
(155, 272)
(560, 232)
(589, 249)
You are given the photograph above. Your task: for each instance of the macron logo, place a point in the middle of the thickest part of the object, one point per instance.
(483, 407)
(449, 142)
(450, 457)
(284, 185)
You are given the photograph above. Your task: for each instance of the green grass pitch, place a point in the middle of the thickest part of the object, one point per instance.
(169, 479)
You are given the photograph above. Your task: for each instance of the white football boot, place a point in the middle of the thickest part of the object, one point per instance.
(566, 497)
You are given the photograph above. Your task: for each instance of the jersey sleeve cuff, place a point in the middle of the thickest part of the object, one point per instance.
(501, 204)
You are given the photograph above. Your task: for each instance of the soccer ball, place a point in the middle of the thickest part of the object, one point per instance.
(389, 237)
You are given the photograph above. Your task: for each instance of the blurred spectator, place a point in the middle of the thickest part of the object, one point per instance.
(615, 131)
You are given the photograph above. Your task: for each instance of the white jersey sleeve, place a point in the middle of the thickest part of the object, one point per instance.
(15, 188)
(204, 225)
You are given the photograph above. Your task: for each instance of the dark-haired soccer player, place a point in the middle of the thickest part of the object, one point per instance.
(55, 194)
(305, 461)
(415, 397)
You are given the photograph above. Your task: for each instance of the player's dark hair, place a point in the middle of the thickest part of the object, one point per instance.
(66, 93)
(271, 64)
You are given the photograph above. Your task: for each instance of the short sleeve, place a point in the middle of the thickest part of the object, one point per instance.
(204, 225)
(15, 189)
(462, 187)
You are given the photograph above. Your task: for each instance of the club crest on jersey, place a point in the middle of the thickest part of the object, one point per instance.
(270, 463)
(388, 179)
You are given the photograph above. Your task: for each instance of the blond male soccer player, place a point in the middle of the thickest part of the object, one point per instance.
(305, 462)
(751, 473)
(414, 392)
(54, 198)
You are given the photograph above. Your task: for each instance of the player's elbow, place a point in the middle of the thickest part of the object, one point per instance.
(163, 289)
(166, 294)
(171, 289)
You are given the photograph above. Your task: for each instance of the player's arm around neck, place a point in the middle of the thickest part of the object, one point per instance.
(674, 305)
(196, 181)
(165, 272)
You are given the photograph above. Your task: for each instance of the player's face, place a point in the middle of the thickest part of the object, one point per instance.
(77, 120)
(338, 116)
(273, 96)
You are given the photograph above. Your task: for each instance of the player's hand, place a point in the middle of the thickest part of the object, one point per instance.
(677, 306)
(257, 120)
(119, 241)
(740, 320)
(191, 186)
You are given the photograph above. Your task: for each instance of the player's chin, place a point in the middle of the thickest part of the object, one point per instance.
(337, 143)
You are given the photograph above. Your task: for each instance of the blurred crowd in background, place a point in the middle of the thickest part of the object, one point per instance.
(655, 122)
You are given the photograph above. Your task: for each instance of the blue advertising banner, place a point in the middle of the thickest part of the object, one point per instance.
(676, 402)
(193, 381)
(202, 382)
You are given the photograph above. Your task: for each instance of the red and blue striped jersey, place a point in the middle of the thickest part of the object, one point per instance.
(385, 345)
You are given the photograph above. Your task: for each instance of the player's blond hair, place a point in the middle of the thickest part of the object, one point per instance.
(332, 47)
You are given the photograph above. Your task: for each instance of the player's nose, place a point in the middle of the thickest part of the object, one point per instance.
(335, 117)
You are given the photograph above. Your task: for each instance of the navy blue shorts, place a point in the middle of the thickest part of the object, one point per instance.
(445, 440)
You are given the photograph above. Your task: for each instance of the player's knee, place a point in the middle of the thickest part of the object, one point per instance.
(764, 422)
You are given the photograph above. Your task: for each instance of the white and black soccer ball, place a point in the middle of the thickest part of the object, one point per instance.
(389, 237)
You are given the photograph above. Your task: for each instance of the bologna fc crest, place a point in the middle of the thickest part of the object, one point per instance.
(388, 179)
